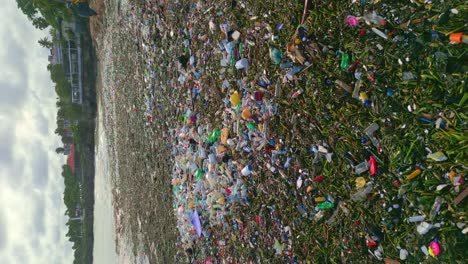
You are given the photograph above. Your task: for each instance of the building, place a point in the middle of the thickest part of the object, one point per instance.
(71, 158)
(67, 51)
(73, 61)
(56, 56)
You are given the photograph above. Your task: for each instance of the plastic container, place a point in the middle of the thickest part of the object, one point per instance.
(412, 175)
(344, 61)
(361, 167)
(212, 158)
(374, 18)
(418, 218)
(235, 99)
(458, 37)
(242, 64)
(326, 205)
(361, 195)
(435, 207)
(247, 170)
(372, 166)
(276, 56)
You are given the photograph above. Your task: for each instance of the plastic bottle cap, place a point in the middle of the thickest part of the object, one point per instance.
(456, 37)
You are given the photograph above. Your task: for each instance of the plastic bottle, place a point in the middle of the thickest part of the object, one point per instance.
(246, 170)
(361, 195)
(344, 61)
(344, 86)
(326, 205)
(417, 218)
(212, 158)
(373, 166)
(435, 207)
(412, 175)
(361, 167)
(374, 18)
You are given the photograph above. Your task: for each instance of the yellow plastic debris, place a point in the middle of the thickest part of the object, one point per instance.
(235, 99)
(360, 182)
(319, 199)
(415, 173)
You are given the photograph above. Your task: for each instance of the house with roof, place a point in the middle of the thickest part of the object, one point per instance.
(67, 51)
(71, 158)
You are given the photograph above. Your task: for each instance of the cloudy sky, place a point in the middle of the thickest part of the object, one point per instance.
(32, 221)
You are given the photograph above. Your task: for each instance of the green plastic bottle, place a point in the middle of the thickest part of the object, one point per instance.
(199, 174)
(344, 61)
(326, 205)
(214, 136)
(251, 125)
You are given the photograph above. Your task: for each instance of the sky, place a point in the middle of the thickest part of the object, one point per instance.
(32, 220)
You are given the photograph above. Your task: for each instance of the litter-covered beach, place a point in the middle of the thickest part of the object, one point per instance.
(288, 131)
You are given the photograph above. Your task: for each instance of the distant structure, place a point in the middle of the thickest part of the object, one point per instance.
(71, 158)
(67, 51)
(56, 56)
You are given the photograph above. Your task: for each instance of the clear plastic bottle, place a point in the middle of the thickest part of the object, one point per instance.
(361, 195)
(436, 207)
(361, 167)
(374, 18)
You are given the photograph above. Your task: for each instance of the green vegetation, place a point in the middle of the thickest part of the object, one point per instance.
(44, 13)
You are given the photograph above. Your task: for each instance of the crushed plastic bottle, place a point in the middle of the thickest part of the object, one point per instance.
(437, 156)
(369, 131)
(242, 64)
(362, 193)
(276, 56)
(436, 207)
(375, 19)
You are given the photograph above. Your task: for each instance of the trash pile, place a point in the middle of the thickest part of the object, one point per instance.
(341, 137)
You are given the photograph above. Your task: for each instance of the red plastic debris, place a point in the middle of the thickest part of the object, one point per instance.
(373, 166)
(319, 178)
(371, 243)
(257, 219)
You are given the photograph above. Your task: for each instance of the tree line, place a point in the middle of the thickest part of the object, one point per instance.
(45, 14)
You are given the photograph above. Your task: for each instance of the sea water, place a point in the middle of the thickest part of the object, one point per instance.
(104, 226)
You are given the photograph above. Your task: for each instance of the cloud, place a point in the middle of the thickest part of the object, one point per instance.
(3, 231)
(42, 123)
(32, 223)
(13, 75)
(20, 254)
(40, 167)
(38, 218)
(6, 148)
